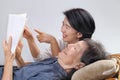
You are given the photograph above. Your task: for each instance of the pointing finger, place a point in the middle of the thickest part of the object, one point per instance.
(38, 31)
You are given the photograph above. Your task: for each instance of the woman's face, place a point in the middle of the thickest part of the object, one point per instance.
(69, 34)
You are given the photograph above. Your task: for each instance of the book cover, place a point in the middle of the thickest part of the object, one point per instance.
(16, 23)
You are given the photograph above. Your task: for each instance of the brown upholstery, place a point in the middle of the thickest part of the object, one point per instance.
(95, 71)
(117, 57)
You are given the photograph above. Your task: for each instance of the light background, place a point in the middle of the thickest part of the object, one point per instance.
(47, 16)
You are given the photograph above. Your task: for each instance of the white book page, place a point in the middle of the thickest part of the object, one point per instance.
(16, 23)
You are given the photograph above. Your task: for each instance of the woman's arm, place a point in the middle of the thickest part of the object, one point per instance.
(54, 47)
(43, 37)
(9, 59)
(31, 42)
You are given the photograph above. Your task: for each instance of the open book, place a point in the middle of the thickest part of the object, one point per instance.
(16, 23)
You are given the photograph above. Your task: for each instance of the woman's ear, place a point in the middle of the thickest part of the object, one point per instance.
(79, 35)
(79, 65)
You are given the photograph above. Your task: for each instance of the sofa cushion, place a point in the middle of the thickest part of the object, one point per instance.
(96, 71)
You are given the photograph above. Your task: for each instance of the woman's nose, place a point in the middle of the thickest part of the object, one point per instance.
(63, 29)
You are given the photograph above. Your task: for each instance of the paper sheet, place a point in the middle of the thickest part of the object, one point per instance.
(16, 23)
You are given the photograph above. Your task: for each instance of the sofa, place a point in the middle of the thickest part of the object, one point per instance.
(100, 70)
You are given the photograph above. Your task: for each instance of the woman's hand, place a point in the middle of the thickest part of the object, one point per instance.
(43, 37)
(27, 34)
(31, 42)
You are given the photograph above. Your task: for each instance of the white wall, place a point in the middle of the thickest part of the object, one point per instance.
(47, 16)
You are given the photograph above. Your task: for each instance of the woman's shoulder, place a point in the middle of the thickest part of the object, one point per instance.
(61, 44)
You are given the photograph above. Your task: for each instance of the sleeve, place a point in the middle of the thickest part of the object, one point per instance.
(43, 54)
(1, 72)
(61, 44)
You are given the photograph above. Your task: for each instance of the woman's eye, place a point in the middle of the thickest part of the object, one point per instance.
(67, 27)
(75, 48)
